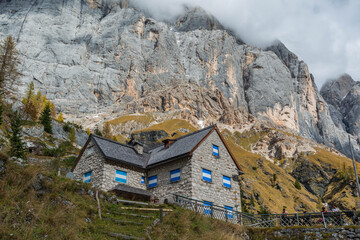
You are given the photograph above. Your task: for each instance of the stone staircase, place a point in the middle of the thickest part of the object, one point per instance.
(131, 220)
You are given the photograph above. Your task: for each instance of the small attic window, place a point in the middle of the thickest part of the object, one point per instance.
(90, 151)
(215, 150)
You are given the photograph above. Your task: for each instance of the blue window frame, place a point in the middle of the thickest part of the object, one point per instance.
(229, 212)
(206, 175)
(175, 175)
(120, 176)
(226, 182)
(207, 207)
(152, 181)
(87, 177)
(142, 180)
(215, 150)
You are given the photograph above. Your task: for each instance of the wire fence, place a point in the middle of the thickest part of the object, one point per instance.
(341, 218)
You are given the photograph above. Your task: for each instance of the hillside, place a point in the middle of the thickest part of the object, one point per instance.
(97, 60)
(324, 173)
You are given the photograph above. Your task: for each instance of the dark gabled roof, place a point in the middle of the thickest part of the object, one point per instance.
(118, 152)
(127, 188)
(180, 147)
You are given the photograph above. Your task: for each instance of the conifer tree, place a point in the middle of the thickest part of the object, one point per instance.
(72, 136)
(1, 112)
(45, 119)
(98, 132)
(29, 94)
(107, 131)
(17, 147)
(297, 184)
(53, 110)
(60, 117)
(8, 62)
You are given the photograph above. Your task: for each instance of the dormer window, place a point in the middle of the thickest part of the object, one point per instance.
(215, 150)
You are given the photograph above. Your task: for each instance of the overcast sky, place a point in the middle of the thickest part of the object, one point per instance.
(323, 33)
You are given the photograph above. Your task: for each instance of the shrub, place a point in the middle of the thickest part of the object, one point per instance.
(297, 184)
(67, 127)
(254, 168)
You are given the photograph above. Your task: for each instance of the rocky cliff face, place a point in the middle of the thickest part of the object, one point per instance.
(343, 96)
(100, 57)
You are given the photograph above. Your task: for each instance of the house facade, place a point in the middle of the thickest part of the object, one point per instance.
(198, 166)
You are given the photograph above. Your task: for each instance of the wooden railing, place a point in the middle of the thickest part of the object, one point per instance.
(342, 218)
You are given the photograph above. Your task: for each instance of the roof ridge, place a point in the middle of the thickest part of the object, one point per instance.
(187, 135)
(109, 140)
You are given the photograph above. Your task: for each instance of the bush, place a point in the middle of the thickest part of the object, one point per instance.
(297, 184)
(67, 127)
(254, 168)
(59, 151)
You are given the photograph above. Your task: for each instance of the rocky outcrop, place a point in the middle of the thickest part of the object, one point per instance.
(106, 57)
(343, 96)
(190, 102)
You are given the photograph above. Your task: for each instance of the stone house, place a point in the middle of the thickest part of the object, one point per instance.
(198, 166)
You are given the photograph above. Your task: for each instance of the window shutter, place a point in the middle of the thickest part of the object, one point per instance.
(120, 176)
(175, 175)
(207, 207)
(87, 177)
(206, 175)
(226, 182)
(229, 212)
(152, 181)
(215, 150)
(142, 180)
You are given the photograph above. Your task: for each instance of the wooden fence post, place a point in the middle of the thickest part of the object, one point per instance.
(161, 215)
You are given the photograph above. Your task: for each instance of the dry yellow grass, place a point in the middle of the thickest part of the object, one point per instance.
(146, 118)
(172, 127)
(273, 198)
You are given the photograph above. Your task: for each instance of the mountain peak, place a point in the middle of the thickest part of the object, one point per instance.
(197, 18)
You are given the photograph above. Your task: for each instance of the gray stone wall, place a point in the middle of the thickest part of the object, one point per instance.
(214, 192)
(165, 189)
(133, 176)
(91, 160)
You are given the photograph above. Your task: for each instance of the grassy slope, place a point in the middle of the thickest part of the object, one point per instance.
(64, 210)
(185, 224)
(259, 177)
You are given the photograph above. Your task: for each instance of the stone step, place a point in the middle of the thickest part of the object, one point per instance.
(124, 236)
(130, 215)
(124, 222)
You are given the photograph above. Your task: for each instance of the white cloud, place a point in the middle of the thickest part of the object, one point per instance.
(323, 33)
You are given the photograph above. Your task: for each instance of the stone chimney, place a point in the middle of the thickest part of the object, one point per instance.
(168, 142)
(139, 148)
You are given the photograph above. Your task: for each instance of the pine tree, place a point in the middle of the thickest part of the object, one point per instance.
(17, 147)
(297, 184)
(53, 110)
(29, 94)
(72, 136)
(9, 61)
(98, 132)
(45, 119)
(1, 112)
(107, 131)
(60, 117)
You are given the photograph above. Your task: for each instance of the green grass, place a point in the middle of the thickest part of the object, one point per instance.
(185, 224)
(62, 211)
